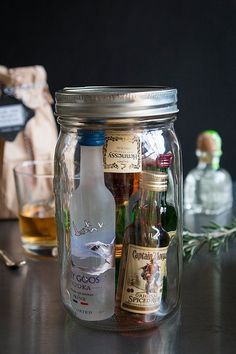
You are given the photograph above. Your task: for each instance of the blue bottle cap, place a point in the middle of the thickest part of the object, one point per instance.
(91, 137)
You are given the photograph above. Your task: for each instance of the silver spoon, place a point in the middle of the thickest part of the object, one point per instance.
(9, 262)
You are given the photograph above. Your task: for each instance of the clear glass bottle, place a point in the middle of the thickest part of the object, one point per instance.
(92, 229)
(138, 123)
(208, 188)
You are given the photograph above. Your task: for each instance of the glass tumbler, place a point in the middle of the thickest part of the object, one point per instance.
(34, 187)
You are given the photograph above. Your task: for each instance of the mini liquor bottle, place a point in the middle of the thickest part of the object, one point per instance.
(92, 227)
(168, 212)
(168, 221)
(208, 188)
(122, 164)
(143, 260)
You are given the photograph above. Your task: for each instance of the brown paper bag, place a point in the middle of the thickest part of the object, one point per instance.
(37, 140)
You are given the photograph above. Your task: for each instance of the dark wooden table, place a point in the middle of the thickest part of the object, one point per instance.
(33, 319)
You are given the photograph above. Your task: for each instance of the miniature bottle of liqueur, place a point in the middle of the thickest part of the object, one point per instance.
(92, 225)
(122, 165)
(168, 219)
(208, 188)
(143, 261)
(168, 212)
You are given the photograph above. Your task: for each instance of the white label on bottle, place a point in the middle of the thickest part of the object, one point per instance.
(122, 152)
(143, 281)
(12, 115)
(92, 287)
(89, 254)
(88, 294)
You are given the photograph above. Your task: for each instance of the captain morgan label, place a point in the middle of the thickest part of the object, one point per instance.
(143, 281)
(122, 152)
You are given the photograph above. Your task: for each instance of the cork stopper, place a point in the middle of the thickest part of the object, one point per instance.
(209, 142)
(154, 181)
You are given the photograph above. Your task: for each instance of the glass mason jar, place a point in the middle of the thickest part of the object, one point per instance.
(118, 190)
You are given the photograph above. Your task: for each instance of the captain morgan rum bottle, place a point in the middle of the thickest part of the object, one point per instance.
(143, 261)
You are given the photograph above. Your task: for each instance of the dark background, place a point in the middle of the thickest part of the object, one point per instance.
(190, 45)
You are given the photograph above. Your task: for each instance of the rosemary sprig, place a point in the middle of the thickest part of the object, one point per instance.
(216, 237)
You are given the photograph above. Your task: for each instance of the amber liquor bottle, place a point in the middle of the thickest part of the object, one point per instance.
(122, 165)
(143, 261)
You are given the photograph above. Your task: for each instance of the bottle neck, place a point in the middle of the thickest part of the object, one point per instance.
(151, 230)
(151, 202)
(209, 161)
(164, 169)
(91, 165)
(163, 194)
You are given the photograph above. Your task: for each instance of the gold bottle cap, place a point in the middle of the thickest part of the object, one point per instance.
(154, 181)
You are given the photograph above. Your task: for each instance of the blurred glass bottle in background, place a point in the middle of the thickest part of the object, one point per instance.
(208, 188)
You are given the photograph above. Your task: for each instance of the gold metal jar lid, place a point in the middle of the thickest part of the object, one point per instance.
(91, 103)
(154, 181)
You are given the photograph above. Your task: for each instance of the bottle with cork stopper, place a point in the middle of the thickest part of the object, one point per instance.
(208, 188)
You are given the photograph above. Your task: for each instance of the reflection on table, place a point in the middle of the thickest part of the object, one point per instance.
(161, 340)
